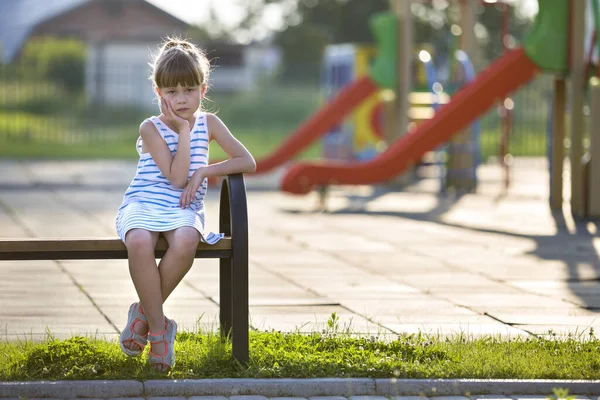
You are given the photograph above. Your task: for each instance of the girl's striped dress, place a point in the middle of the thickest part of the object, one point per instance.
(152, 203)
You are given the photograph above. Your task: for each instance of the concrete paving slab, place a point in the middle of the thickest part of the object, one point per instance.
(561, 330)
(481, 301)
(453, 329)
(454, 279)
(585, 293)
(31, 330)
(10, 227)
(309, 319)
(44, 215)
(402, 311)
(546, 316)
(591, 320)
(338, 241)
(431, 318)
(276, 259)
(406, 264)
(516, 269)
(444, 262)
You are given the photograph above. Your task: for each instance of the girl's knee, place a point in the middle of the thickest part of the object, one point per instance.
(186, 239)
(138, 239)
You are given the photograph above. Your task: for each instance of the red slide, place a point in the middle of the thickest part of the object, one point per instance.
(493, 84)
(323, 121)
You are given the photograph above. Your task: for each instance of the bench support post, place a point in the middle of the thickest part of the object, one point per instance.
(225, 266)
(233, 289)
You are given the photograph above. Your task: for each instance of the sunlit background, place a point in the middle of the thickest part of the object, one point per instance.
(74, 73)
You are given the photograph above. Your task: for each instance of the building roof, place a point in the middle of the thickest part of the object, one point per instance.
(18, 18)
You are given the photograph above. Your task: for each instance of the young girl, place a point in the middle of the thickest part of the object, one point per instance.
(167, 192)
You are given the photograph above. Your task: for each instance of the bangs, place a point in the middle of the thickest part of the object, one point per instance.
(180, 69)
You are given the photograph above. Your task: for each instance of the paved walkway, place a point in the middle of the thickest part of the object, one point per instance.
(385, 262)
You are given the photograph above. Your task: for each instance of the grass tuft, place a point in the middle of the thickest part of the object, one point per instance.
(329, 353)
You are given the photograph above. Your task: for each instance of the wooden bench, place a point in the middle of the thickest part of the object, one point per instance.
(232, 252)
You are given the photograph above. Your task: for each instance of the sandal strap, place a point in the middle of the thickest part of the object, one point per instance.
(139, 312)
(168, 357)
(128, 334)
(157, 336)
(139, 339)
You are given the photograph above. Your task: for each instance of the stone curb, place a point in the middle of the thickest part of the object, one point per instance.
(291, 388)
(263, 387)
(72, 389)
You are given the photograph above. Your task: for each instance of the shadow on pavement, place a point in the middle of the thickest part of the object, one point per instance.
(573, 246)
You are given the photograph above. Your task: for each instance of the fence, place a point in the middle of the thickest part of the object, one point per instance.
(528, 115)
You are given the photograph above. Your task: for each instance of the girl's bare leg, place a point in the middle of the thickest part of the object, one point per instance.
(178, 259)
(140, 245)
(153, 284)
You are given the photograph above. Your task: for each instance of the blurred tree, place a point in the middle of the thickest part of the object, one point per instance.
(60, 61)
(433, 21)
(212, 31)
(199, 34)
(315, 24)
(310, 25)
(491, 20)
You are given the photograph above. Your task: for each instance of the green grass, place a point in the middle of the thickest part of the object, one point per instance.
(526, 144)
(40, 121)
(259, 143)
(66, 136)
(327, 354)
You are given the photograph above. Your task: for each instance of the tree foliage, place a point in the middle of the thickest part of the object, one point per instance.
(61, 61)
(310, 25)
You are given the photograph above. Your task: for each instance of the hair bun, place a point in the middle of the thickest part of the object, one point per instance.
(178, 43)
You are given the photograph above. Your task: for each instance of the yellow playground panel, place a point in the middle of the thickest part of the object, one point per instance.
(361, 132)
(344, 63)
(367, 117)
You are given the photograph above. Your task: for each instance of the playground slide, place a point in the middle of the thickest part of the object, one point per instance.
(320, 123)
(491, 85)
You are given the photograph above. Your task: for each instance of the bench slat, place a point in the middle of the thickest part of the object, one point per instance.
(93, 249)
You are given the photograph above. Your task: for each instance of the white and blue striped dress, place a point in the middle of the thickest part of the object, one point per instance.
(151, 202)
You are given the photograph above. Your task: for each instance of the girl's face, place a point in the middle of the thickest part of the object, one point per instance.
(184, 100)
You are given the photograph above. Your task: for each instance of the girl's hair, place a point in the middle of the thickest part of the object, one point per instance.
(179, 62)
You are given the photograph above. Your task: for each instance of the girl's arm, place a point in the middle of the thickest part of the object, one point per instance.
(174, 168)
(240, 159)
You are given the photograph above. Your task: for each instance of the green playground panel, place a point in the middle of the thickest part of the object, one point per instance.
(546, 44)
(385, 27)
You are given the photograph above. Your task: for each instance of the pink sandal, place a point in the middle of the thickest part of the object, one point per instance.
(168, 338)
(128, 334)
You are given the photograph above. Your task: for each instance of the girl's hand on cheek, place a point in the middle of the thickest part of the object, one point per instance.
(174, 119)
